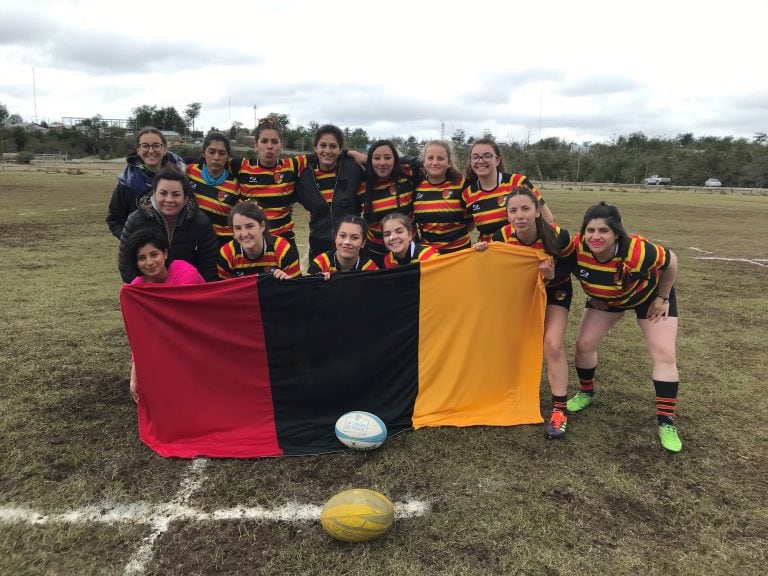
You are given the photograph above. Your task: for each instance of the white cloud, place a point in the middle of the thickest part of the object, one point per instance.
(578, 71)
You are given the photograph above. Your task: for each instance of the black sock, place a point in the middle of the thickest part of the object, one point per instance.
(666, 401)
(587, 379)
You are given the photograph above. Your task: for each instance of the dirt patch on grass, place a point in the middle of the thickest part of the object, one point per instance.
(242, 548)
(23, 235)
(81, 444)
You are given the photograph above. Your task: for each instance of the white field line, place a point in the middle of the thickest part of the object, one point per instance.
(699, 250)
(145, 513)
(755, 261)
(191, 481)
(160, 516)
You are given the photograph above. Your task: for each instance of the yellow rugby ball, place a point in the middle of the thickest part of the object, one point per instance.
(357, 515)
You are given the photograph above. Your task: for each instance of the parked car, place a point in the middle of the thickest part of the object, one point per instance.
(657, 180)
(712, 183)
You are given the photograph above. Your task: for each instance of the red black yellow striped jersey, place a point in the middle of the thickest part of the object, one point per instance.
(441, 216)
(565, 261)
(486, 207)
(272, 188)
(326, 262)
(626, 280)
(416, 253)
(278, 253)
(326, 183)
(385, 198)
(215, 201)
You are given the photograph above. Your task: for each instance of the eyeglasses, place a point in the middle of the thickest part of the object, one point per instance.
(156, 146)
(487, 157)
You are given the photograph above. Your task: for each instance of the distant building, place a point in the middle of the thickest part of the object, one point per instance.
(171, 135)
(28, 127)
(579, 148)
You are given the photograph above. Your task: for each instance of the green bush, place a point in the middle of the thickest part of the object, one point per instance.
(24, 157)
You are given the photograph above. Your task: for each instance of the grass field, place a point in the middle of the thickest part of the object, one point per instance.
(80, 494)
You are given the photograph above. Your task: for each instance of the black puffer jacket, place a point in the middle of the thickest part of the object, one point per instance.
(192, 239)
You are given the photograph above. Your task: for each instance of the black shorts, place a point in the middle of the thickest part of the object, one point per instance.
(642, 310)
(560, 295)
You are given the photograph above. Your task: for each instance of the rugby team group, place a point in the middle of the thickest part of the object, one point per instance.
(183, 221)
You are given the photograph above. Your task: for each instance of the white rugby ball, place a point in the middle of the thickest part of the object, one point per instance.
(361, 430)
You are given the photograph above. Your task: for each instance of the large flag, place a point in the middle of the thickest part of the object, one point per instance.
(254, 367)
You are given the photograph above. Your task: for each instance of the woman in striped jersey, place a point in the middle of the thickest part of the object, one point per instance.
(488, 185)
(349, 237)
(527, 227)
(438, 209)
(254, 250)
(619, 272)
(215, 187)
(388, 188)
(270, 180)
(397, 230)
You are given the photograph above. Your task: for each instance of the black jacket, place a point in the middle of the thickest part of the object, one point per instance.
(133, 184)
(322, 216)
(193, 239)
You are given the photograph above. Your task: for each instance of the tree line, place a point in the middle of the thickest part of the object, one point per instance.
(627, 159)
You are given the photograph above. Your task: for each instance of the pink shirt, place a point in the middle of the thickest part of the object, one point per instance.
(179, 272)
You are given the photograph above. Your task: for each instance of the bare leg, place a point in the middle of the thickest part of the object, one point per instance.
(133, 388)
(595, 324)
(555, 322)
(660, 341)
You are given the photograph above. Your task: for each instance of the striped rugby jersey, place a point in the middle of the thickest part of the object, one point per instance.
(326, 262)
(626, 280)
(441, 216)
(272, 189)
(278, 253)
(416, 253)
(565, 262)
(486, 207)
(386, 197)
(215, 201)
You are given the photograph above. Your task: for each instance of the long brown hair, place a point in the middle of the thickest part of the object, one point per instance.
(544, 230)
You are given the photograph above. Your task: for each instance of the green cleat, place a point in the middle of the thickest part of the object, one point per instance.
(669, 438)
(580, 401)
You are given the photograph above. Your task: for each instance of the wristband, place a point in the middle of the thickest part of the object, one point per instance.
(666, 299)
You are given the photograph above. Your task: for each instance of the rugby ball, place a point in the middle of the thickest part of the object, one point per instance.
(357, 515)
(361, 430)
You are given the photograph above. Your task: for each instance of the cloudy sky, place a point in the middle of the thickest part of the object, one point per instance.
(580, 71)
